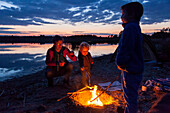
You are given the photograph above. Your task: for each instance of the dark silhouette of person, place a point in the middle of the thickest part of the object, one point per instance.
(129, 58)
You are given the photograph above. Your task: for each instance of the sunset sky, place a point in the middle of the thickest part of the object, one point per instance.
(75, 17)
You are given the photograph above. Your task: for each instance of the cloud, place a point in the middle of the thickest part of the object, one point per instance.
(17, 32)
(85, 33)
(11, 32)
(5, 49)
(78, 32)
(5, 5)
(98, 34)
(4, 28)
(23, 12)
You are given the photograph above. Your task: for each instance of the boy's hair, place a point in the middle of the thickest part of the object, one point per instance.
(84, 45)
(57, 38)
(134, 10)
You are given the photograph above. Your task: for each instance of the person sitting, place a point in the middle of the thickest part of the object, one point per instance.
(57, 64)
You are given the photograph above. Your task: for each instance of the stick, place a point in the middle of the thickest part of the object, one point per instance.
(2, 93)
(64, 97)
(80, 90)
(70, 94)
(106, 88)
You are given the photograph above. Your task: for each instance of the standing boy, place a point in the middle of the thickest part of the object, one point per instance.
(130, 54)
(85, 61)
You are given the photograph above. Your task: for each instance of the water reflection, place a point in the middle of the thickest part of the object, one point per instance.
(22, 59)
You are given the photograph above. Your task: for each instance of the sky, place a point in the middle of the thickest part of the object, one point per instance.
(76, 17)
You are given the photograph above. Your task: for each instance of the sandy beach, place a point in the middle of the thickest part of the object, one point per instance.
(31, 94)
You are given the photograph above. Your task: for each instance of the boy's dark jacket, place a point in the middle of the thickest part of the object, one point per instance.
(130, 51)
(85, 61)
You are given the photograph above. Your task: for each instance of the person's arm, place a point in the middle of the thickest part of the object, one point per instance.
(50, 60)
(91, 59)
(126, 47)
(71, 55)
(80, 58)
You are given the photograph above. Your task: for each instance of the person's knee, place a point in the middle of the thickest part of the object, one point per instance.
(49, 74)
(70, 67)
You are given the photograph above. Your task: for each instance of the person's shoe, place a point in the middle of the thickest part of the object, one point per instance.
(66, 84)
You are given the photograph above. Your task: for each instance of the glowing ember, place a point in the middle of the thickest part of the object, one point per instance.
(94, 95)
(84, 96)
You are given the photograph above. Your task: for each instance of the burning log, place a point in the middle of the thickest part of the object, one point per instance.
(83, 98)
(92, 97)
(106, 88)
(70, 94)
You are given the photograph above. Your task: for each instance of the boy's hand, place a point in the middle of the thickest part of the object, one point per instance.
(72, 53)
(62, 64)
(123, 69)
(82, 69)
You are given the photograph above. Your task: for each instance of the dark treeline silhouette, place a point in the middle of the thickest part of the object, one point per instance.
(76, 39)
(161, 41)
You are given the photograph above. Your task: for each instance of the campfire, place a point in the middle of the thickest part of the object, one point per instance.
(87, 97)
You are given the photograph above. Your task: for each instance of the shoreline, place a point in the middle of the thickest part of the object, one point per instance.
(31, 94)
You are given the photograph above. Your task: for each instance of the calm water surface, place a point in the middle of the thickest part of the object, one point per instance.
(21, 59)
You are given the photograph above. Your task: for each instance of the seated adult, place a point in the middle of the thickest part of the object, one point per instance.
(57, 64)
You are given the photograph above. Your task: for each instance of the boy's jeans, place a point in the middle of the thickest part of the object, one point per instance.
(84, 79)
(131, 84)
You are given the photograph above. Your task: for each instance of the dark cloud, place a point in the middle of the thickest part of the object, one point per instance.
(9, 46)
(11, 32)
(5, 28)
(156, 11)
(98, 34)
(85, 33)
(17, 32)
(78, 32)
(5, 49)
(98, 11)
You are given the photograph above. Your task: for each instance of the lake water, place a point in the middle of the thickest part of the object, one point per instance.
(22, 59)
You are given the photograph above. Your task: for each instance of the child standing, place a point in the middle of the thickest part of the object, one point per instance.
(85, 61)
(130, 54)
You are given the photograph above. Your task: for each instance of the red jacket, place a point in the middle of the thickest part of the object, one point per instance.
(50, 57)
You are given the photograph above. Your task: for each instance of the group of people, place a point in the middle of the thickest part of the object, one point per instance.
(58, 65)
(129, 57)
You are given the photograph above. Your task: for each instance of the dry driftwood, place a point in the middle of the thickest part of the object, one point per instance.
(70, 94)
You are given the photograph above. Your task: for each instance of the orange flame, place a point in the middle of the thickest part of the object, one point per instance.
(94, 95)
(83, 97)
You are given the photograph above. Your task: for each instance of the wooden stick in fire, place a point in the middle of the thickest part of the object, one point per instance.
(70, 94)
(117, 77)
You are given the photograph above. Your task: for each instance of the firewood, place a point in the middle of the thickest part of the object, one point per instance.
(70, 94)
